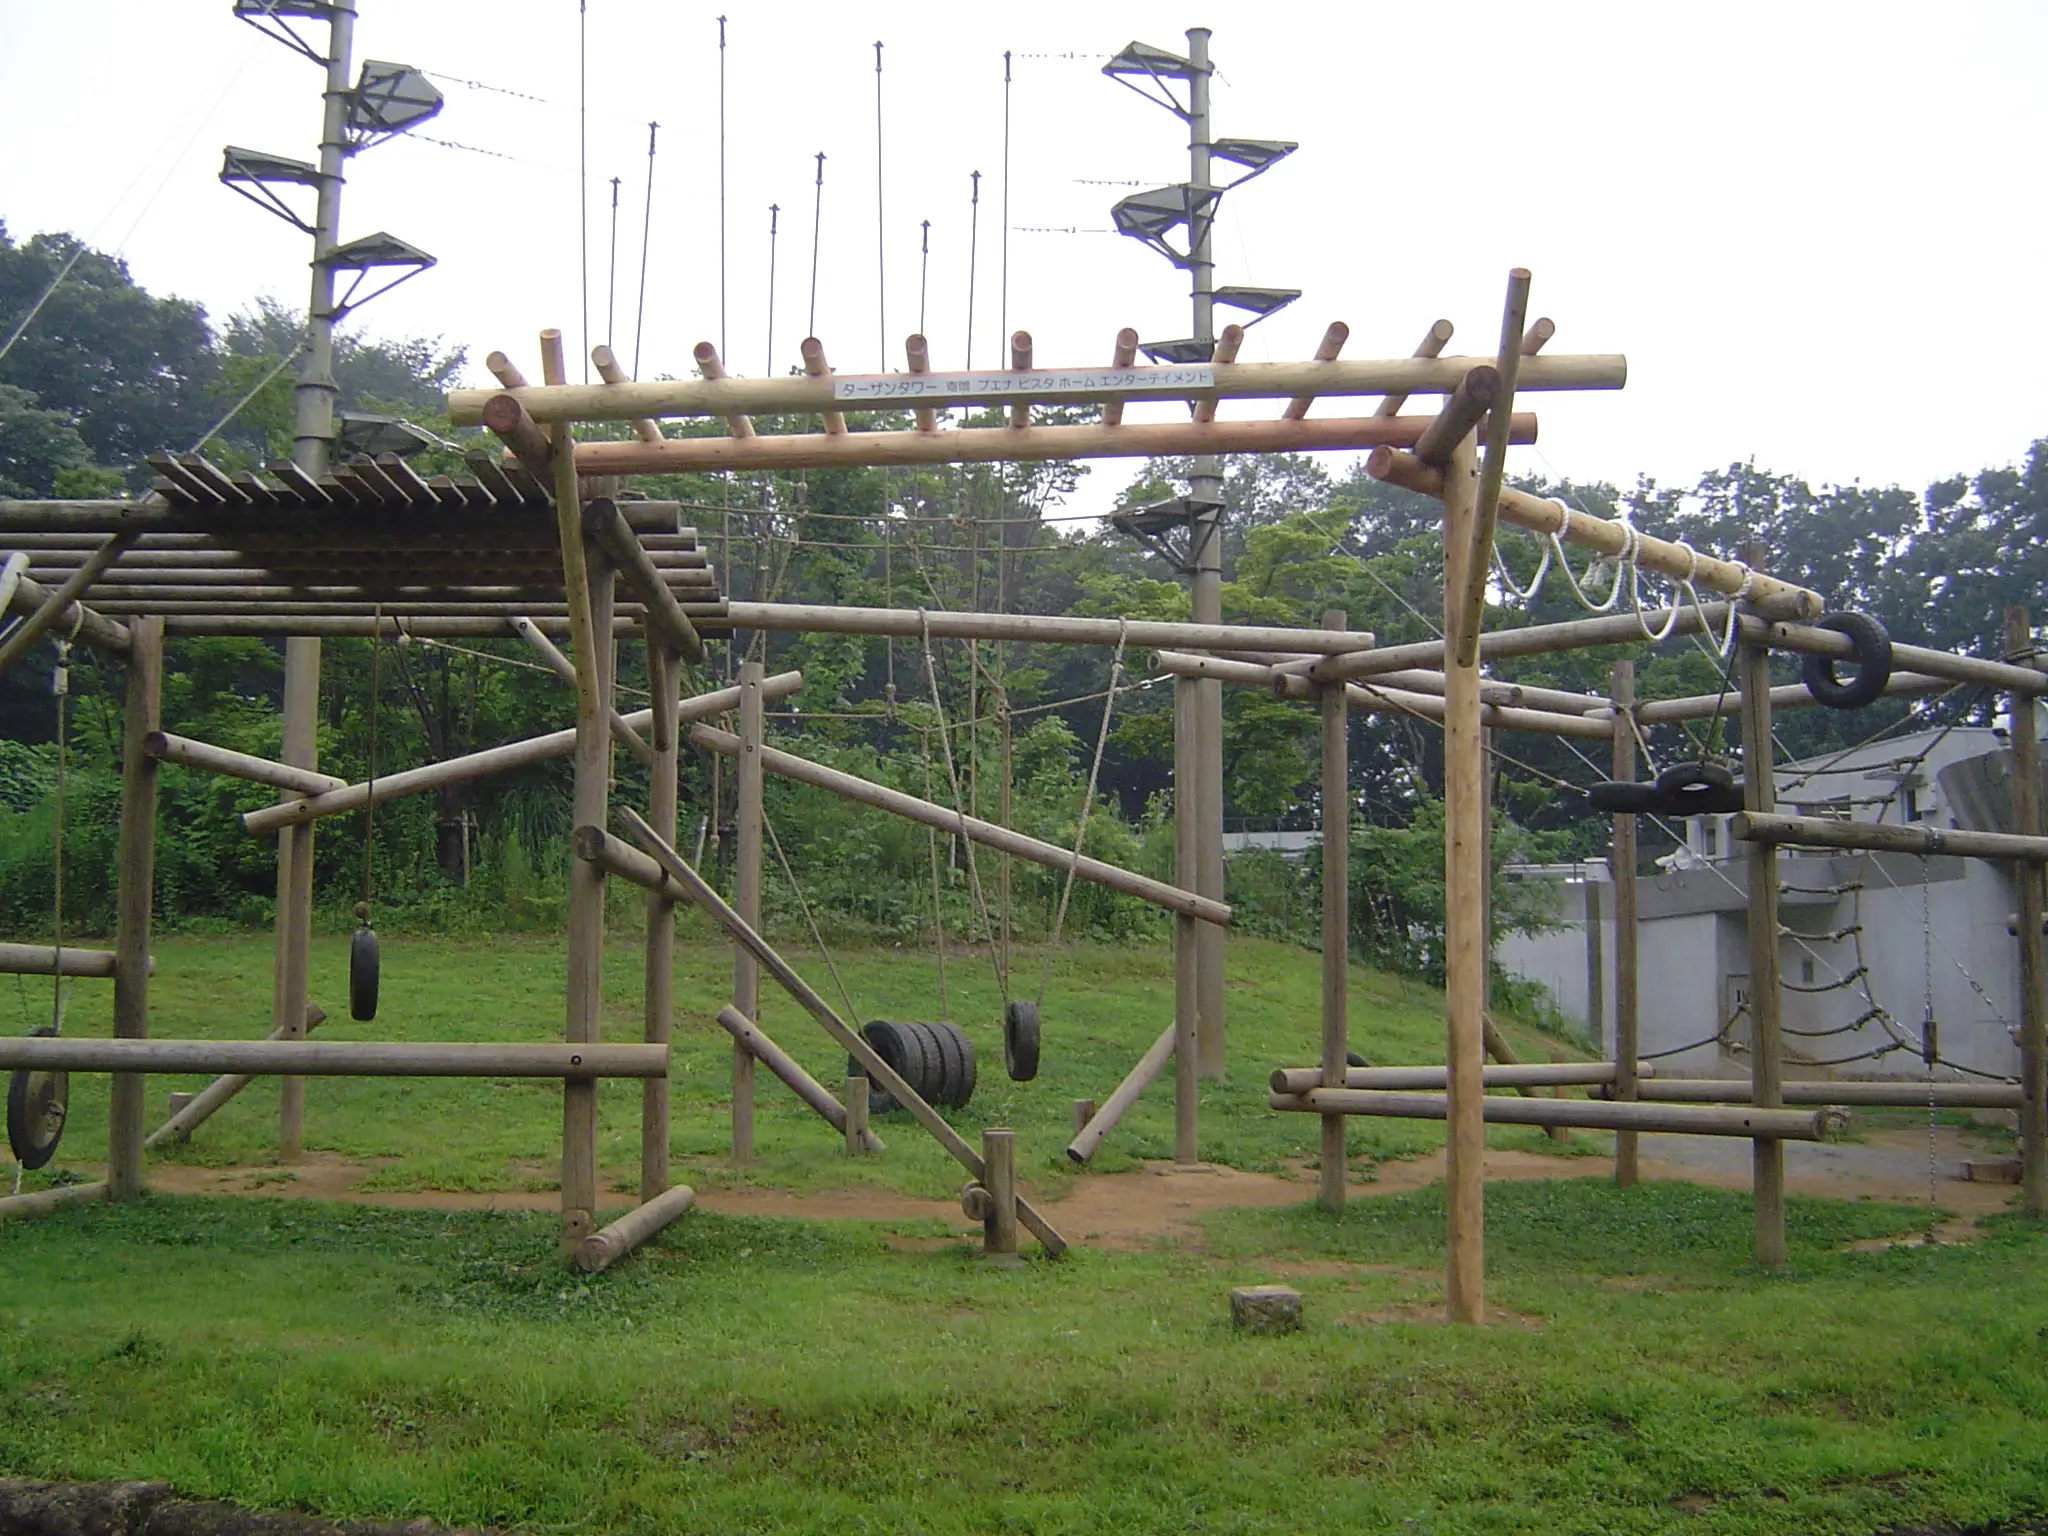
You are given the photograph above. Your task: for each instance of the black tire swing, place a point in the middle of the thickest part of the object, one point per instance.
(364, 971)
(39, 1098)
(1871, 652)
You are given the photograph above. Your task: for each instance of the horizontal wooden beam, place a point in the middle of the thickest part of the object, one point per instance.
(1884, 837)
(215, 1096)
(605, 1247)
(812, 395)
(95, 629)
(1529, 640)
(1016, 445)
(46, 960)
(333, 1058)
(43, 1201)
(187, 753)
(477, 765)
(1709, 706)
(1528, 1074)
(789, 766)
(1584, 1114)
(1906, 658)
(1294, 685)
(1902, 1094)
(1042, 629)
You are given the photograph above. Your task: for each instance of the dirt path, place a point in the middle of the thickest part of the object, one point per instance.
(1162, 1203)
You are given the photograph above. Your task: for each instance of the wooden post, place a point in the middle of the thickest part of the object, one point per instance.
(999, 1178)
(1186, 961)
(2026, 821)
(857, 1116)
(746, 973)
(1336, 824)
(295, 886)
(133, 896)
(592, 796)
(1766, 1067)
(1464, 901)
(658, 991)
(1621, 868)
(1084, 1111)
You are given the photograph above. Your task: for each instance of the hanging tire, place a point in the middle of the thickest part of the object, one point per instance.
(1020, 1040)
(38, 1101)
(1699, 789)
(969, 1072)
(903, 1049)
(1618, 798)
(1872, 655)
(362, 975)
(942, 1057)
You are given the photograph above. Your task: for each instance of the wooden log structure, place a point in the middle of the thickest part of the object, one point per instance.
(1433, 342)
(603, 522)
(42, 1202)
(1124, 355)
(857, 1116)
(49, 960)
(1008, 445)
(1327, 351)
(788, 765)
(1884, 837)
(1463, 409)
(814, 393)
(134, 901)
(187, 753)
(1709, 706)
(65, 599)
(1766, 595)
(2033, 962)
(1044, 629)
(203, 1105)
(1776, 1124)
(1334, 817)
(521, 435)
(594, 845)
(1286, 679)
(1900, 1094)
(1527, 1074)
(551, 656)
(477, 765)
(749, 1037)
(1622, 857)
(605, 1247)
(606, 362)
(94, 629)
(1478, 564)
(748, 838)
(999, 1178)
(1100, 1122)
(2010, 676)
(658, 964)
(1502, 644)
(577, 1061)
(1760, 860)
(815, 366)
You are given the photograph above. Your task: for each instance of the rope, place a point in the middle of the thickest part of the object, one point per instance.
(370, 797)
(938, 913)
(1059, 922)
(818, 938)
(931, 673)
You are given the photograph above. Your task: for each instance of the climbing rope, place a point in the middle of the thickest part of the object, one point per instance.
(931, 673)
(1059, 922)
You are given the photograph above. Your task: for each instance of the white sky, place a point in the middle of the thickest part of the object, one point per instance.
(1812, 227)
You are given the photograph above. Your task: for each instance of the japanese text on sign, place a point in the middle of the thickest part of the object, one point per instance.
(941, 387)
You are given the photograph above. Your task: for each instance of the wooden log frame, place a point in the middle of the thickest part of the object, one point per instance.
(1100, 1122)
(1621, 867)
(2028, 680)
(1187, 981)
(1709, 706)
(658, 965)
(134, 899)
(1333, 1159)
(1430, 1079)
(1766, 1056)
(552, 657)
(606, 362)
(1766, 595)
(788, 765)
(1283, 676)
(1502, 644)
(1433, 342)
(748, 832)
(1008, 445)
(477, 765)
(594, 845)
(93, 628)
(65, 599)
(2033, 962)
(749, 1037)
(1902, 1094)
(187, 753)
(49, 960)
(815, 393)
(1478, 564)
(1772, 1125)
(1884, 837)
(574, 1061)
(1044, 629)
(603, 522)
(42, 1202)
(605, 1247)
(215, 1095)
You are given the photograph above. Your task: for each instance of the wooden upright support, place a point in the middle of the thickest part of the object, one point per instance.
(1766, 1065)
(658, 990)
(1621, 869)
(746, 971)
(295, 886)
(591, 795)
(135, 884)
(1186, 954)
(1465, 878)
(1336, 823)
(2026, 821)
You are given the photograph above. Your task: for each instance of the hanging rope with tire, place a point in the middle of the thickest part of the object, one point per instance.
(38, 1099)
(363, 967)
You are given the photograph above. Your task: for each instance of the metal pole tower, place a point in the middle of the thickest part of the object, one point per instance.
(1154, 217)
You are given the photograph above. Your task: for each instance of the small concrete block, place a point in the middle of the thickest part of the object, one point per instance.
(1265, 1308)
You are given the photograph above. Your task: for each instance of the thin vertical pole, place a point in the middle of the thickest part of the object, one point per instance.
(2026, 811)
(1464, 914)
(658, 992)
(611, 295)
(295, 886)
(722, 352)
(924, 270)
(1336, 823)
(1186, 981)
(646, 234)
(591, 799)
(881, 244)
(817, 217)
(1003, 301)
(1621, 868)
(973, 248)
(1766, 1067)
(134, 890)
(746, 971)
(768, 370)
(583, 169)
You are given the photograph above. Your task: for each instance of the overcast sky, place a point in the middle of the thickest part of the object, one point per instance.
(1815, 229)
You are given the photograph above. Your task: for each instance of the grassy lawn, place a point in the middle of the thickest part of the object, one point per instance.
(747, 1374)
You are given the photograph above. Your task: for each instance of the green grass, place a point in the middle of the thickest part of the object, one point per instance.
(1103, 1006)
(744, 1374)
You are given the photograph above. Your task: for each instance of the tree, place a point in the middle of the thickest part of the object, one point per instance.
(36, 446)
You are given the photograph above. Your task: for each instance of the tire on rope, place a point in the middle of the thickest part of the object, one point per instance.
(1699, 789)
(903, 1049)
(1872, 655)
(1620, 798)
(1020, 1040)
(38, 1101)
(362, 975)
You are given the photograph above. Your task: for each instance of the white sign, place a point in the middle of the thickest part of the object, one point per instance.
(1086, 383)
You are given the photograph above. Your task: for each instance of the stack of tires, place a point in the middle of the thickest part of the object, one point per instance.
(936, 1059)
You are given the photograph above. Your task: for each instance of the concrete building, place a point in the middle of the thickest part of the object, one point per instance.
(1874, 944)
